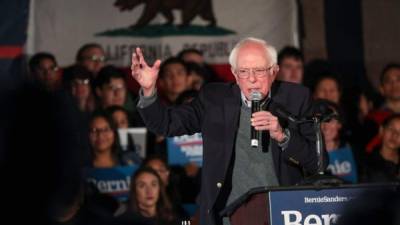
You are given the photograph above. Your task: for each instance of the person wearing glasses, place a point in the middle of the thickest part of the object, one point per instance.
(92, 57)
(104, 143)
(222, 113)
(78, 80)
(110, 87)
(44, 70)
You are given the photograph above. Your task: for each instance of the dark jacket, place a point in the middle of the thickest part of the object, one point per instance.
(215, 113)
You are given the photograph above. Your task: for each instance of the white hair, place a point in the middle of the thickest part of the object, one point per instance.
(269, 50)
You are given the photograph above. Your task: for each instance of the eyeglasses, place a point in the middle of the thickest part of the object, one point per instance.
(244, 73)
(49, 70)
(81, 81)
(96, 58)
(100, 130)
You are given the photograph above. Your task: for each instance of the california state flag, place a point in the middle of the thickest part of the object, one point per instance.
(161, 27)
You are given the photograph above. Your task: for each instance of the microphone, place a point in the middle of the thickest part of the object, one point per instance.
(255, 98)
(326, 110)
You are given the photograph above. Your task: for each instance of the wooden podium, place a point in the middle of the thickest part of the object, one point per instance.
(253, 208)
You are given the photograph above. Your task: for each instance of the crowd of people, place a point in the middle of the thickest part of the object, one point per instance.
(362, 144)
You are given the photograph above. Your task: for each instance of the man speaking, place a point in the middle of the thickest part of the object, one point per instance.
(222, 113)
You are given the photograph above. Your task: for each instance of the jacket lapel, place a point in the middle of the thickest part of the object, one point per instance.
(231, 120)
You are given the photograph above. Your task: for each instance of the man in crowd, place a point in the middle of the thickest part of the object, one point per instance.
(43, 69)
(291, 65)
(92, 57)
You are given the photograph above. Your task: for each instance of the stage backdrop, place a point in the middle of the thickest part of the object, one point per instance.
(61, 27)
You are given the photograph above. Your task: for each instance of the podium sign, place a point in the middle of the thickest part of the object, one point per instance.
(301, 207)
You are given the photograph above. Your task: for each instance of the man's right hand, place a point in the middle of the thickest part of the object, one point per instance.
(145, 75)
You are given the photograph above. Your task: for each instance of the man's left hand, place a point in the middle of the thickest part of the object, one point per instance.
(264, 120)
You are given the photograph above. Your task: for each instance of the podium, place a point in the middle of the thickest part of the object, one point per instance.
(298, 204)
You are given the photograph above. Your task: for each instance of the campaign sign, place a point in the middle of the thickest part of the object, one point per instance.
(113, 181)
(300, 207)
(185, 149)
(342, 164)
(133, 136)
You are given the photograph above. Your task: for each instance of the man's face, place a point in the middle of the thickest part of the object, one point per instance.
(175, 78)
(291, 70)
(327, 89)
(93, 59)
(47, 72)
(113, 93)
(252, 59)
(391, 135)
(390, 87)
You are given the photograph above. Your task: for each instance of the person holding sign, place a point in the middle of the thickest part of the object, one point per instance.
(222, 113)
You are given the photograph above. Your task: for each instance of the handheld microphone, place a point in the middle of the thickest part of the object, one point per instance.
(255, 98)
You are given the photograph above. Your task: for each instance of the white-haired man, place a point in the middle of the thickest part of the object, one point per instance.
(222, 113)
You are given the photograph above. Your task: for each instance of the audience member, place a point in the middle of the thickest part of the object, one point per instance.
(390, 90)
(197, 77)
(291, 65)
(43, 69)
(104, 142)
(110, 87)
(92, 57)
(148, 200)
(342, 162)
(120, 116)
(383, 163)
(328, 87)
(171, 181)
(173, 79)
(77, 80)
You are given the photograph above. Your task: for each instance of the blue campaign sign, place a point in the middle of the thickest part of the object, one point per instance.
(113, 181)
(298, 207)
(342, 164)
(185, 149)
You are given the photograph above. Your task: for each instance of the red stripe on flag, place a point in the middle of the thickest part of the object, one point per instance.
(10, 52)
(223, 71)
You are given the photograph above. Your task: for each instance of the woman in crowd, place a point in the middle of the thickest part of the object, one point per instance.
(182, 183)
(341, 157)
(120, 117)
(148, 203)
(104, 142)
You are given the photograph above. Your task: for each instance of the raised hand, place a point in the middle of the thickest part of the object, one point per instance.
(145, 75)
